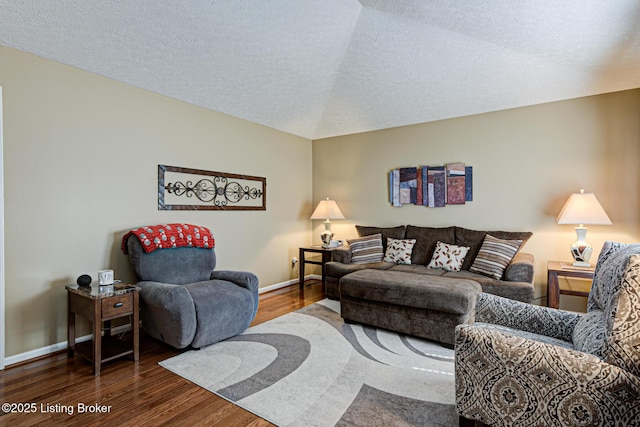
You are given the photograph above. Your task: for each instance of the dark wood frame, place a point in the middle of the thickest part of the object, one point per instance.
(258, 192)
(554, 270)
(326, 257)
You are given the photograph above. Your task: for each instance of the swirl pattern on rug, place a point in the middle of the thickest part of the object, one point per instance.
(309, 368)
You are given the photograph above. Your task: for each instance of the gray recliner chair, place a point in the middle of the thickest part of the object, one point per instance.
(184, 302)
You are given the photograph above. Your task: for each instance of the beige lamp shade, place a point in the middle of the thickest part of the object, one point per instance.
(583, 208)
(580, 209)
(327, 210)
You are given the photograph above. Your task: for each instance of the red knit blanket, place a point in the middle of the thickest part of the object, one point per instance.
(160, 236)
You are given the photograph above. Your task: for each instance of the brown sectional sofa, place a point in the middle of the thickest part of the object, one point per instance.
(516, 284)
(418, 300)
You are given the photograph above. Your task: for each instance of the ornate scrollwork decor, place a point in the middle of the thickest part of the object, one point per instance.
(208, 190)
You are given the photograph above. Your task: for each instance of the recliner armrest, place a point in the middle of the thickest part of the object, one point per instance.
(169, 313)
(526, 317)
(243, 279)
(164, 295)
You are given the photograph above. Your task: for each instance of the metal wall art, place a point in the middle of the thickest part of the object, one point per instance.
(432, 186)
(195, 189)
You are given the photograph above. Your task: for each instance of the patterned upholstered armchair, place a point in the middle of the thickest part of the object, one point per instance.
(536, 366)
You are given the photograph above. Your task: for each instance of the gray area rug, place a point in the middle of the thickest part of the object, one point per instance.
(309, 368)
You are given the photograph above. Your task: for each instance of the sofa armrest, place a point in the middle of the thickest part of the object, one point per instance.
(341, 254)
(524, 377)
(521, 268)
(243, 279)
(526, 317)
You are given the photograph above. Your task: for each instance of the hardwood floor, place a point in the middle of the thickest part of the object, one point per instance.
(131, 394)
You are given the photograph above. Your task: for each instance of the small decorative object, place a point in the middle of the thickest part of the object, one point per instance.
(208, 190)
(327, 210)
(432, 186)
(84, 280)
(105, 277)
(582, 208)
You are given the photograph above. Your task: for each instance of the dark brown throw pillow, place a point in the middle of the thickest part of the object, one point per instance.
(426, 240)
(386, 232)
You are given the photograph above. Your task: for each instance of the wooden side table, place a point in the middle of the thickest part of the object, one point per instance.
(303, 260)
(101, 306)
(556, 269)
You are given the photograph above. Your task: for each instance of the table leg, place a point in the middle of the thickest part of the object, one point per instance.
(135, 327)
(301, 269)
(97, 339)
(71, 328)
(326, 257)
(553, 290)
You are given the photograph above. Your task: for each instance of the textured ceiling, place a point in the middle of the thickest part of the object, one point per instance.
(319, 68)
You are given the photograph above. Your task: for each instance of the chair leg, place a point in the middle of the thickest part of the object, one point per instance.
(465, 422)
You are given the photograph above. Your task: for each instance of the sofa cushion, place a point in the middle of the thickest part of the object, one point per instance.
(418, 269)
(448, 257)
(412, 290)
(366, 249)
(338, 270)
(494, 256)
(519, 291)
(386, 232)
(474, 238)
(399, 250)
(426, 239)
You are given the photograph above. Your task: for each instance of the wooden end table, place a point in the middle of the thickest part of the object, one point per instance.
(101, 305)
(303, 260)
(556, 269)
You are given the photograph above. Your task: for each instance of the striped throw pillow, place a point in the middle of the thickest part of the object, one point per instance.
(494, 256)
(366, 249)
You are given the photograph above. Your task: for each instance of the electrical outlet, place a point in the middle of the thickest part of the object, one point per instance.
(294, 261)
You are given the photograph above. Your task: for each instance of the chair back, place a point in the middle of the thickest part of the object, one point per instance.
(611, 327)
(178, 266)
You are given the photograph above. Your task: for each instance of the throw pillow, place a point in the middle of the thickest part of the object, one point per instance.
(399, 250)
(474, 239)
(448, 257)
(494, 256)
(366, 249)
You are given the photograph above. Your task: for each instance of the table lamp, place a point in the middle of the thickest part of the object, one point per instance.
(327, 210)
(582, 208)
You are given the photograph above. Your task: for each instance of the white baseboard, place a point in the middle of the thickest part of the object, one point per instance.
(43, 351)
(287, 283)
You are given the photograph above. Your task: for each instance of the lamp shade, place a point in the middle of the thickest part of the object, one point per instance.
(583, 208)
(327, 209)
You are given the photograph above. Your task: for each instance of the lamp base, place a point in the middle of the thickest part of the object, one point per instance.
(580, 249)
(326, 235)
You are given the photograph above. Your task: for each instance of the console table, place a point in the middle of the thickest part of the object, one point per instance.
(101, 305)
(324, 258)
(556, 269)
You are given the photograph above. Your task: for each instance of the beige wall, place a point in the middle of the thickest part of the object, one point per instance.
(81, 152)
(80, 169)
(526, 161)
